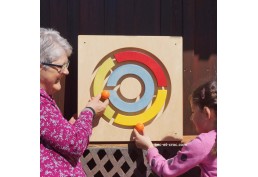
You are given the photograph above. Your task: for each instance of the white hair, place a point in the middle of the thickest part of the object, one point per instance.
(52, 45)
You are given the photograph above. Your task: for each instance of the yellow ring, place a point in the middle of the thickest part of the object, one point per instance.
(98, 83)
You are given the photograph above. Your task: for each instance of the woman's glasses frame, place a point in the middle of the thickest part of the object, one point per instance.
(62, 67)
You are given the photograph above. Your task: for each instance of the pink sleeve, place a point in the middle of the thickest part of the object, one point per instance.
(56, 132)
(188, 157)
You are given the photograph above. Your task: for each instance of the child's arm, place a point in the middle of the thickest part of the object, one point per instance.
(190, 156)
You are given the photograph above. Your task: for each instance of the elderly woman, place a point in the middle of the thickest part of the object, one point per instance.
(61, 143)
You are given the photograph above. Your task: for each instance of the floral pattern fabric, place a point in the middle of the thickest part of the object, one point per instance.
(61, 143)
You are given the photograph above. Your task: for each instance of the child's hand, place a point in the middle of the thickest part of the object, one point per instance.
(142, 141)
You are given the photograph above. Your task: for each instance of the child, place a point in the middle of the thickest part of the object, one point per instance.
(202, 150)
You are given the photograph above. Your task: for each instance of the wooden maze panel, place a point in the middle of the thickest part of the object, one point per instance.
(129, 162)
(144, 80)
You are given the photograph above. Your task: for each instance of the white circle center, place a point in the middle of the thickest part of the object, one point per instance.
(130, 88)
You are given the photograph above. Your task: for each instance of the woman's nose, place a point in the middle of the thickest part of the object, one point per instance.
(66, 71)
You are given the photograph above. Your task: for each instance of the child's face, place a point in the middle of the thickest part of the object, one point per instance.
(199, 118)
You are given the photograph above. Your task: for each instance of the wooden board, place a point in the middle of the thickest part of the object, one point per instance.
(144, 77)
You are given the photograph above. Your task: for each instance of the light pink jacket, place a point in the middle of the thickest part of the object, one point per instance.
(62, 144)
(196, 152)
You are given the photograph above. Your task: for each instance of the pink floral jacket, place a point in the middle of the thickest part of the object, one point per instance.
(61, 143)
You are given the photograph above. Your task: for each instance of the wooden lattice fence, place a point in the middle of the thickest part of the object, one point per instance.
(113, 162)
(125, 162)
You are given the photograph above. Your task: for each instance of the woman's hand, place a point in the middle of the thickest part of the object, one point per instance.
(73, 118)
(98, 106)
(142, 141)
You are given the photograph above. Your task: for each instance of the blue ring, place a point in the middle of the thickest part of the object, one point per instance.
(148, 84)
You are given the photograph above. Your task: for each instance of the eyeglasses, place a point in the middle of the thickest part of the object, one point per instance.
(62, 67)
